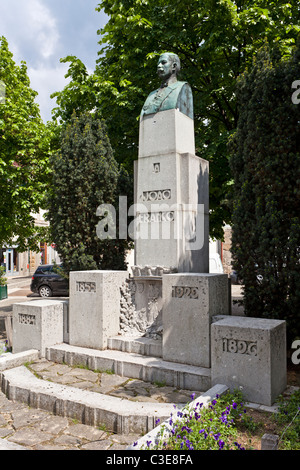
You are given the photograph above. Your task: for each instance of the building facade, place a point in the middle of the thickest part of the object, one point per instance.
(25, 263)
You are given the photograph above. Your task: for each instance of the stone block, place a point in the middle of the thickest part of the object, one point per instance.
(250, 354)
(166, 132)
(37, 325)
(172, 212)
(190, 301)
(94, 307)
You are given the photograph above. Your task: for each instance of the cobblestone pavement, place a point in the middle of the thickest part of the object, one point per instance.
(40, 430)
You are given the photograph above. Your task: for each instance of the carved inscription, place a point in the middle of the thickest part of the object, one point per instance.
(156, 195)
(185, 292)
(26, 319)
(89, 287)
(157, 217)
(156, 167)
(237, 346)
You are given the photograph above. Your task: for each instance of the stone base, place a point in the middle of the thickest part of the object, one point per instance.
(250, 354)
(189, 303)
(94, 307)
(171, 212)
(165, 132)
(37, 325)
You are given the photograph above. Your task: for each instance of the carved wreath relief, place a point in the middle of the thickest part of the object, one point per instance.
(145, 320)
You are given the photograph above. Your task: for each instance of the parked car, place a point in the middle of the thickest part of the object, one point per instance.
(46, 282)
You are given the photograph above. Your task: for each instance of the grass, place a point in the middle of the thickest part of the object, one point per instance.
(86, 367)
(226, 424)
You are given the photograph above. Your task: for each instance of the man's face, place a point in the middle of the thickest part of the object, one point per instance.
(165, 67)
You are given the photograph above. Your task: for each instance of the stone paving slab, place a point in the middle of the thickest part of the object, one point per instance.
(109, 384)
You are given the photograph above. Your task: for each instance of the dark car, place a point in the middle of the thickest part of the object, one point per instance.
(46, 282)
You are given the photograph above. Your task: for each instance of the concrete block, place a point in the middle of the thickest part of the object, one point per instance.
(269, 442)
(250, 354)
(172, 211)
(166, 132)
(138, 345)
(37, 325)
(94, 307)
(190, 302)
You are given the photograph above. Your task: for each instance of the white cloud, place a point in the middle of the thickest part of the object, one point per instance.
(46, 80)
(30, 28)
(41, 32)
(44, 27)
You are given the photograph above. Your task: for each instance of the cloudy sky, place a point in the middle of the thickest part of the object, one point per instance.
(43, 31)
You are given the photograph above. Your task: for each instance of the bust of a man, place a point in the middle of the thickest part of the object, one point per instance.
(172, 94)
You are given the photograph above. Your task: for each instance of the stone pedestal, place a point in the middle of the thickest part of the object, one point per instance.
(189, 303)
(37, 325)
(250, 354)
(171, 196)
(166, 132)
(94, 307)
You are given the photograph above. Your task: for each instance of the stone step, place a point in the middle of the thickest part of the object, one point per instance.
(136, 345)
(146, 368)
(95, 409)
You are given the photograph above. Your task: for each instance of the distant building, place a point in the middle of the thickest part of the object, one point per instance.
(24, 264)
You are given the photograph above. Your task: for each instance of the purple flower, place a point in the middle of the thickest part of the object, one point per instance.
(193, 396)
(189, 445)
(221, 444)
(239, 446)
(202, 431)
(157, 421)
(234, 405)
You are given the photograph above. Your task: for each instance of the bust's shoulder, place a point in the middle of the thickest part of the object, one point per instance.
(179, 85)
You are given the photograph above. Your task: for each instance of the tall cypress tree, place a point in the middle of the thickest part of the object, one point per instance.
(266, 203)
(85, 175)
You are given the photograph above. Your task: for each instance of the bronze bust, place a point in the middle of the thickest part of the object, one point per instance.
(172, 94)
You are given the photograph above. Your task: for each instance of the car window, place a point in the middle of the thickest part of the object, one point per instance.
(44, 270)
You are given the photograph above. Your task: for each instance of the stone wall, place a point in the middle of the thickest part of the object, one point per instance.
(227, 257)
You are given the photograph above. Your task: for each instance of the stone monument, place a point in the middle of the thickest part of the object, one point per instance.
(168, 321)
(172, 205)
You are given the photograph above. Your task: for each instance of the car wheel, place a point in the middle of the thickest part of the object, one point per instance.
(45, 291)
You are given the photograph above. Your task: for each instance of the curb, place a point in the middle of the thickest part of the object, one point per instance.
(94, 409)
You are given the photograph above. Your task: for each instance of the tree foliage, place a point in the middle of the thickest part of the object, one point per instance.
(85, 175)
(266, 199)
(215, 40)
(24, 149)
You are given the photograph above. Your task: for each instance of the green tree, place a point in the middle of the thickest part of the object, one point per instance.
(265, 164)
(24, 150)
(215, 40)
(85, 176)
